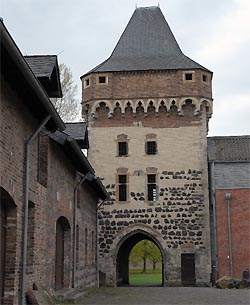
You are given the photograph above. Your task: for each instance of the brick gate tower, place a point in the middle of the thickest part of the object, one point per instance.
(147, 108)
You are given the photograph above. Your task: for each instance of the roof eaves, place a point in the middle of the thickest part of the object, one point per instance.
(27, 73)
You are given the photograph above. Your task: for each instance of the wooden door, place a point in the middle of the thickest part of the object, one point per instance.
(3, 221)
(59, 273)
(188, 269)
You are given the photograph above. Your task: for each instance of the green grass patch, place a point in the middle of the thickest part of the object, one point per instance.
(150, 278)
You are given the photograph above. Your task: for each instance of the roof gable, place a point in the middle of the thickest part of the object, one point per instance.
(45, 68)
(79, 132)
(147, 43)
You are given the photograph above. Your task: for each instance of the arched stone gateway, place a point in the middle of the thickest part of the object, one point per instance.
(123, 244)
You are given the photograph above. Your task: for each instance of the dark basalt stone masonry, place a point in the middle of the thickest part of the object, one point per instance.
(178, 218)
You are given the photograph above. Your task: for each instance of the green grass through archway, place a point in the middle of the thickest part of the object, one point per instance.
(150, 278)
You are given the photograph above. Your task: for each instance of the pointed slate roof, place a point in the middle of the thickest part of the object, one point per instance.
(147, 43)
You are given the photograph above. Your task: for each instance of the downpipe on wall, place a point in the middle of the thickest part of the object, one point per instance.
(97, 245)
(26, 207)
(228, 198)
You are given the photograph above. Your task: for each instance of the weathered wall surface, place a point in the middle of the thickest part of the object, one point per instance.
(150, 84)
(240, 227)
(51, 197)
(15, 130)
(180, 214)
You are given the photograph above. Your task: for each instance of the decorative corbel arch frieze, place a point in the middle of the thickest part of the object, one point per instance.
(156, 103)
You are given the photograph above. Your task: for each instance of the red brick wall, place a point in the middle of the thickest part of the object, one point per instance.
(240, 228)
(146, 84)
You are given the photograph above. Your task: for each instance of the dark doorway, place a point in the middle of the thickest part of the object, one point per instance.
(3, 222)
(59, 255)
(7, 241)
(188, 269)
(62, 249)
(122, 259)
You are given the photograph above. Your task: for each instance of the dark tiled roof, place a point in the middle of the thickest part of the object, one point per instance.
(231, 148)
(79, 132)
(18, 74)
(41, 65)
(45, 68)
(147, 44)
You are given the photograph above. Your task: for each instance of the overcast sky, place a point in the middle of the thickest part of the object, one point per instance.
(215, 33)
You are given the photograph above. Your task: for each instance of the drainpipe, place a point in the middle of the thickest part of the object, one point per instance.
(213, 202)
(26, 207)
(228, 197)
(89, 177)
(97, 245)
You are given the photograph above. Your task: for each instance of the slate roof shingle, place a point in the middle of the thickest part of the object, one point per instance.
(41, 65)
(229, 148)
(147, 43)
(79, 132)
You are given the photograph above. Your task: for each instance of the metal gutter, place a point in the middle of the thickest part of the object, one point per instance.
(214, 242)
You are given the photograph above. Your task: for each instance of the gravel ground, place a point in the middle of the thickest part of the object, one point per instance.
(167, 295)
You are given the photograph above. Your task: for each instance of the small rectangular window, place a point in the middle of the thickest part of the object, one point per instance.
(122, 184)
(102, 79)
(152, 189)
(151, 147)
(86, 82)
(122, 148)
(204, 78)
(188, 76)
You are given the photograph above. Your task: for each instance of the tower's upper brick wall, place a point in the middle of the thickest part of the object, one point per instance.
(151, 84)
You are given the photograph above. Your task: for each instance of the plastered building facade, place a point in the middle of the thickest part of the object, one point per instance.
(147, 108)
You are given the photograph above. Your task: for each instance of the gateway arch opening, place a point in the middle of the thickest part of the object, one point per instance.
(139, 246)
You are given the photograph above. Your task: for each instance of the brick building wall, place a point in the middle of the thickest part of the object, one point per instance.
(15, 130)
(240, 228)
(51, 195)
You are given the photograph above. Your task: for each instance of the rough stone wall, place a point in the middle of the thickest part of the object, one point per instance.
(240, 227)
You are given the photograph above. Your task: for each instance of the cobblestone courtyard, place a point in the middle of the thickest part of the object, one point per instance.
(164, 295)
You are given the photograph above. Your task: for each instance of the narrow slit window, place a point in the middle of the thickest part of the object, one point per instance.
(122, 184)
(151, 147)
(122, 148)
(152, 188)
